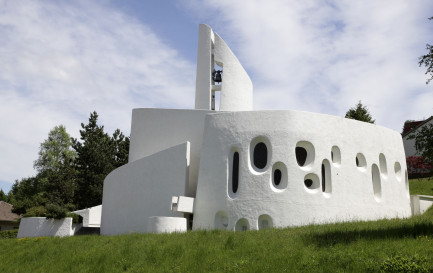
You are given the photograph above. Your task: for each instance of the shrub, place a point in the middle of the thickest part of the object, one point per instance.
(76, 219)
(55, 211)
(401, 264)
(39, 211)
(8, 234)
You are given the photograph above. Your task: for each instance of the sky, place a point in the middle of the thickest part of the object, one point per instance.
(61, 60)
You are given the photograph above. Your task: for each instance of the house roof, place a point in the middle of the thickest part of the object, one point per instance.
(410, 127)
(6, 213)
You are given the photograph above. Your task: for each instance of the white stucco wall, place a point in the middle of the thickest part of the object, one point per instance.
(41, 226)
(351, 195)
(153, 130)
(143, 188)
(236, 87)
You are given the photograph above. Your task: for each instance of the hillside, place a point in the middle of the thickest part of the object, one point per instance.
(345, 247)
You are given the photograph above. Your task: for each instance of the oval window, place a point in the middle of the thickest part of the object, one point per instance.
(260, 155)
(277, 177)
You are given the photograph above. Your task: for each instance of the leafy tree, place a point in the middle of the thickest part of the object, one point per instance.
(424, 143)
(98, 155)
(359, 112)
(55, 152)
(56, 167)
(427, 60)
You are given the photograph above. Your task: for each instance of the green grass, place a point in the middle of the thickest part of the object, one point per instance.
(373, 246)
(421, 186)
(343, 247)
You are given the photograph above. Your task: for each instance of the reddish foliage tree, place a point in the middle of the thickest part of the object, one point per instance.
(418, 167)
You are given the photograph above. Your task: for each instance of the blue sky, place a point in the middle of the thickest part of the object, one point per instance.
(60, 60)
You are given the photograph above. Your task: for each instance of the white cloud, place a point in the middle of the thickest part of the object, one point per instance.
(62, 60)
(325, 56)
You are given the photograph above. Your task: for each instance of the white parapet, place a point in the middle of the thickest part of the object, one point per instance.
(158, 224)
(42, 227)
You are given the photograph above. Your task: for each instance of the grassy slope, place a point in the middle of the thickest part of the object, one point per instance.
(421, 186)
(344, 247)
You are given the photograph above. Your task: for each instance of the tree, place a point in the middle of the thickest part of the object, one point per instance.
(55, 152)
(98, 155)
(424, 143)
(56, 167)
(3, 196)
(359, 112)
(427, 60)
(27, 193)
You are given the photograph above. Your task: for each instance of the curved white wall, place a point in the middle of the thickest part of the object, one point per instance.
(143, 188)
(350, 191)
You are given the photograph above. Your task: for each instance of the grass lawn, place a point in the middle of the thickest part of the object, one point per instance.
(421, 186)
(374, 246)
(344, 247)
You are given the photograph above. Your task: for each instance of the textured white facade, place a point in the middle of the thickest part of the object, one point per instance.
(375, 189)
(250, 169)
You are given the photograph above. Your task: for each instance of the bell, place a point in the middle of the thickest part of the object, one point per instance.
(216, 76)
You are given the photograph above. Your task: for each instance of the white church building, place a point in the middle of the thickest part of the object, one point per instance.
(230, 167)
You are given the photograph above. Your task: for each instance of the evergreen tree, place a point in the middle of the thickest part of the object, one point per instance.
(98, 155)
(359, 112)
(27, 193)
(3, 196)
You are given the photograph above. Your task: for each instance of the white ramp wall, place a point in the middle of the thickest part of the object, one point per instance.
(41, 226)
(143, 188)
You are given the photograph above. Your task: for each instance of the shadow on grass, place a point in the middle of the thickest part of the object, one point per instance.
(330, 238)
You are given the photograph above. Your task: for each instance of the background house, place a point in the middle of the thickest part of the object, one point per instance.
(416, 167)
(8, 219)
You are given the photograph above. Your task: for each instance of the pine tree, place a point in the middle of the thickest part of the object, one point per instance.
(359, 112)
(98, 155)
(3, 196)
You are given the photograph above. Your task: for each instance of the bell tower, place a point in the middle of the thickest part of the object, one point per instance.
(218, 70)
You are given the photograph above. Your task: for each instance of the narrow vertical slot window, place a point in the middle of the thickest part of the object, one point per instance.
(235, 172)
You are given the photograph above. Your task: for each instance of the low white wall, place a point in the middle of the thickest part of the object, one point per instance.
(91, 216)
(41, 226)
(420, 203)
(156, 224)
